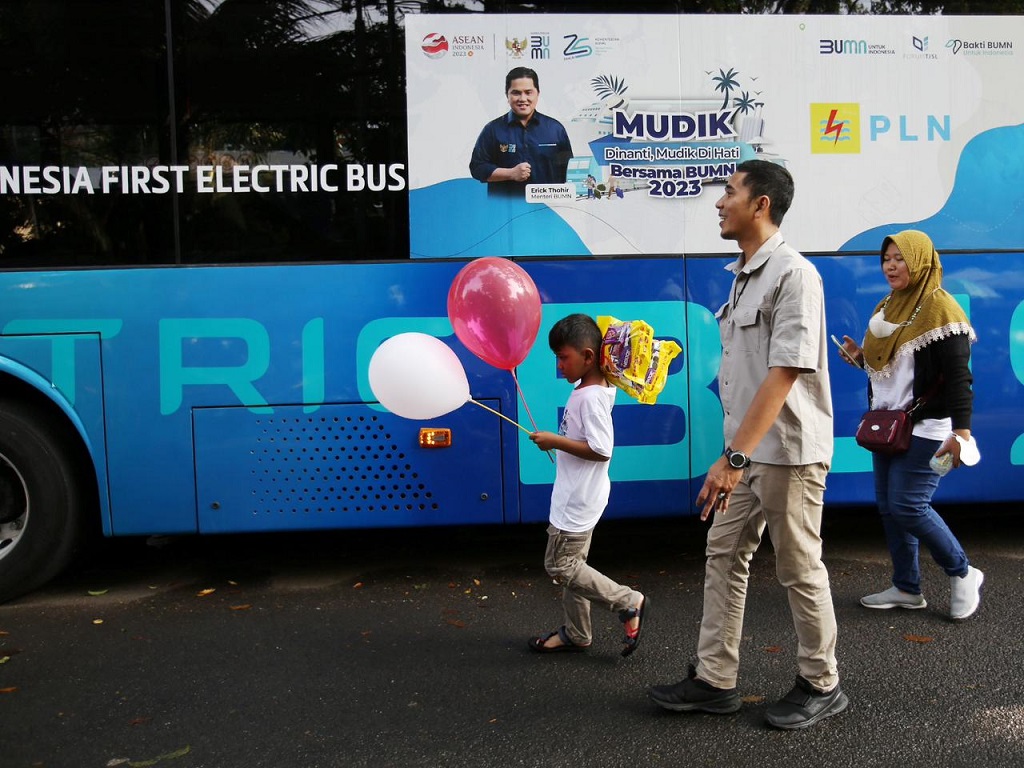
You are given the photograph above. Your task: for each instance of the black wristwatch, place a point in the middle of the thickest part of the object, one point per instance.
(737, 459)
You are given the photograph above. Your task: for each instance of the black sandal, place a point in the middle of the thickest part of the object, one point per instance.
(536, 644)
(632, 638)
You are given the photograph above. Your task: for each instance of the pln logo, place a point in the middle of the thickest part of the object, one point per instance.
(434, 45)
(835, 129)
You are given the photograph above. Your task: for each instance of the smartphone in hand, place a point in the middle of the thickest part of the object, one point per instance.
(845, 354)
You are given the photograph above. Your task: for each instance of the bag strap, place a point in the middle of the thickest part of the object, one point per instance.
(925, 397)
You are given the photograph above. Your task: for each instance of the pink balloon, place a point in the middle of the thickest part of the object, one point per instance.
(494, 307)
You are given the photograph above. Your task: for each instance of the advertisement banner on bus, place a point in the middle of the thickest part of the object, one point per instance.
(634, 123)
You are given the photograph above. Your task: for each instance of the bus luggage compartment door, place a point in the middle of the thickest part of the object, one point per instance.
(343, 466)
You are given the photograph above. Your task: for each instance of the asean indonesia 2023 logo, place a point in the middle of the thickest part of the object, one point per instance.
(434, 45)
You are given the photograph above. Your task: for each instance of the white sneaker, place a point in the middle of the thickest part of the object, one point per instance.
(965, 593)
(894, 598)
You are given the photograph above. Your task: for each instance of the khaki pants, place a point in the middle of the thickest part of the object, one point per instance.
(789, 501)
(566, 562)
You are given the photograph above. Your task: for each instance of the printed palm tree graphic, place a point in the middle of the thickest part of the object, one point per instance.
(744, 103)
(726, 82)
(606, 86)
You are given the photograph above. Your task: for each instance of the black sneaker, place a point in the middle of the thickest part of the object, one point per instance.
(805, 705)
(693, 695)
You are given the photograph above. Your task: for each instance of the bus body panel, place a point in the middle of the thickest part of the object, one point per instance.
(296, 339)
(55, 366)
(343, 466)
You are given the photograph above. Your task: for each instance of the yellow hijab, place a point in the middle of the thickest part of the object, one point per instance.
(923, 311)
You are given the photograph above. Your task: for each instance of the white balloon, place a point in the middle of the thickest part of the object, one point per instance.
(417, 376)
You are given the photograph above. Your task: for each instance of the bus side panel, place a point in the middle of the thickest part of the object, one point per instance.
(990, 288)
(343, 466)
(226, 337)
(651, 463)
(72, 364)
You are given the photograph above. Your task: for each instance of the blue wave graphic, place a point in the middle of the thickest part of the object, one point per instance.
(985, 209)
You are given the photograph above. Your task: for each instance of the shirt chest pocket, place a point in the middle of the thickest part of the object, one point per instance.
(748, 328)
(544, 150)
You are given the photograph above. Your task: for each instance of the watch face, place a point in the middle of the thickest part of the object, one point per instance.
(737, 460)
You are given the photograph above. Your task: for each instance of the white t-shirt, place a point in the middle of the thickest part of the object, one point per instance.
(581, 488)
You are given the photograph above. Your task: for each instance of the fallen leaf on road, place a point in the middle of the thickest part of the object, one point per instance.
(457, 623)
(243, 607)
(4, 633)
(357, 585)
(145, 763)
(139, 720)
(97, 621)
(773, 649)
(4, 659)
(98, 592)
(753, 699)
(12, 689)
(918, 638)
(477, 582)
(205, 592)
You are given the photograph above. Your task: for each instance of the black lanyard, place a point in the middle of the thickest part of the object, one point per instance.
(737, 296)
(746, 279)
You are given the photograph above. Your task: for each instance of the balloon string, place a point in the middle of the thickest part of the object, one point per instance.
(523, 397)
(496, 413)
(527, 407)
(506, 418)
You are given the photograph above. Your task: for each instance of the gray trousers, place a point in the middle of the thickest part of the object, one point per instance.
(566, 562)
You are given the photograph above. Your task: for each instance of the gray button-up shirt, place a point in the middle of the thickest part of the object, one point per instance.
(775, 316)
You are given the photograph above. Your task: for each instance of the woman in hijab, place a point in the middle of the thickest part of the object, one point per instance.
(918, 346)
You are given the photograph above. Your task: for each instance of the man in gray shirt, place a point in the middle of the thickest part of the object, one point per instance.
(774, 386)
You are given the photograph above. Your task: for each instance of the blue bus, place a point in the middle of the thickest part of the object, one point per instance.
(212, 212)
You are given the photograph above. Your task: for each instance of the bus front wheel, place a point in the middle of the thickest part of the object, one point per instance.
(41, 498)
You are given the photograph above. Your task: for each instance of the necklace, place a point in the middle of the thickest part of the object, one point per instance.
(917, 309)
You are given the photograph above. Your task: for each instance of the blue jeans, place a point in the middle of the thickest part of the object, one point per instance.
(904, 485)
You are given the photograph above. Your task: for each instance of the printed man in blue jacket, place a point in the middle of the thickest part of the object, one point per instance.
(522, 146)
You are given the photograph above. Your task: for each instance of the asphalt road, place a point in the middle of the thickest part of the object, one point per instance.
(408, 648)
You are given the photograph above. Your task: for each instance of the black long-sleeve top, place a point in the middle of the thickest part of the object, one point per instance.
(946, 361)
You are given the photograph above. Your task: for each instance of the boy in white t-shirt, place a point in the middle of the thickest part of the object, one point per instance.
(580, 493)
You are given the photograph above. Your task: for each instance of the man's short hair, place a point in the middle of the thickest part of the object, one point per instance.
(772, 181)
(578, 331)
(517, 74)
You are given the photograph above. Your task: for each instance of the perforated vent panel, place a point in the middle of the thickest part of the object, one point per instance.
(339, 466)
(342, 464)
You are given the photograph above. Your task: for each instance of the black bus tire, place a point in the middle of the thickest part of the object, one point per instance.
(41, 498)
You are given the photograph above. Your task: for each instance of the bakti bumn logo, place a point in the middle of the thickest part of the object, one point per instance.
(434, 45)
(835, 129)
